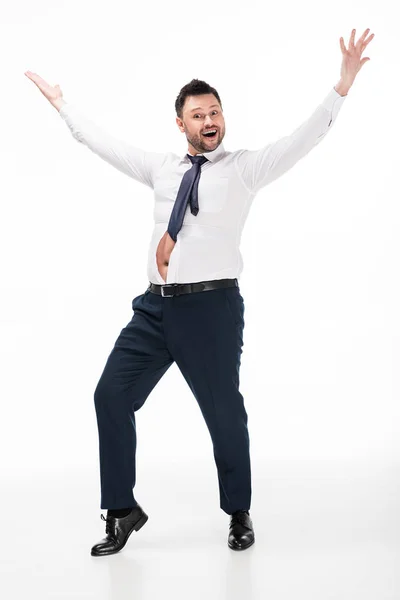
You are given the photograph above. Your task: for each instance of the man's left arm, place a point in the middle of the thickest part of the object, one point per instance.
(260, 167)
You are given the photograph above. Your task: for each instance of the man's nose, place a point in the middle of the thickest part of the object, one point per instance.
(208, 121)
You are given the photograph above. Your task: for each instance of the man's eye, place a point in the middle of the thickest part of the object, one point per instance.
(197, 115)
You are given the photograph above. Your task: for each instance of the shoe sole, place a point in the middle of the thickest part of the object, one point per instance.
(243, 547)
(138, 525)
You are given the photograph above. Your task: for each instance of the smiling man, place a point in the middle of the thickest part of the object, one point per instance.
(202, 121)
(192, 312)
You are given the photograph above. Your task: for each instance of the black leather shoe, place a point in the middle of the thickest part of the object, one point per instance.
(241, 534)
(118, 531)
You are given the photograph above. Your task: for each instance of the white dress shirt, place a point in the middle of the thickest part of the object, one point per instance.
(207, 246)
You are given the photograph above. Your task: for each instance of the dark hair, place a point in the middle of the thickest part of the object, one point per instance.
(195, 88)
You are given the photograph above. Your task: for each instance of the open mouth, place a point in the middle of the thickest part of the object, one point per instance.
(211, 134)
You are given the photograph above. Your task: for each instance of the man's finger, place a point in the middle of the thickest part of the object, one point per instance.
(351, 42)
(367, 41)
(361, 41)
(342, 46)
(364, 60)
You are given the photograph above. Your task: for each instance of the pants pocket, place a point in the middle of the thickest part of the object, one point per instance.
(138, 298)
(235, 306)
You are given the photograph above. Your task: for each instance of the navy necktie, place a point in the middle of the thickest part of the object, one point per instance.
(187, 193)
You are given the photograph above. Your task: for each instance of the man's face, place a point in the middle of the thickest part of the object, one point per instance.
(202, 114)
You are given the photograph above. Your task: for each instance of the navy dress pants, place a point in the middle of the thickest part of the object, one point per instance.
(203, 333)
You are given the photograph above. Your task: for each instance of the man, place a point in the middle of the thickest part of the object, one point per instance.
(192, 313)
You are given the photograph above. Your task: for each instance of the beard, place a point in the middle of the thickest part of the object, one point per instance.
(201, 144)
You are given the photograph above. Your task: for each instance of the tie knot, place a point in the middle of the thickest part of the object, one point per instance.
(199, 160)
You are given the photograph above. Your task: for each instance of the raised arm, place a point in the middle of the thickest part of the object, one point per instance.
(260, 167)
(134, 162)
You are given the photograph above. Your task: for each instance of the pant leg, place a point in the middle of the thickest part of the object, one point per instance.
(205, 333)
(135, 365)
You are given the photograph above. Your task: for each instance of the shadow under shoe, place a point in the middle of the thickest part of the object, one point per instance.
(241, 533)
(118, 530)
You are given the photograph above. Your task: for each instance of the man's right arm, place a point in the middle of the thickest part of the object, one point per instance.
(134, 162)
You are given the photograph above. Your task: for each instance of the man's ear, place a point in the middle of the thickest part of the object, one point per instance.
(179, 122)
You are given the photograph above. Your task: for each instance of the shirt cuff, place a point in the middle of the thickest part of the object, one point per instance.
(65, 109)
(333, 99)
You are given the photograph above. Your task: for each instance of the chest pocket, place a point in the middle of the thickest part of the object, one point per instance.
(212, 193)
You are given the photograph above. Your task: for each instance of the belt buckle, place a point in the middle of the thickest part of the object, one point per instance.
(167, 286)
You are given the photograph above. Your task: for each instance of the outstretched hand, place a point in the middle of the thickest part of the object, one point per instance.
(352, 61)
(52, 93)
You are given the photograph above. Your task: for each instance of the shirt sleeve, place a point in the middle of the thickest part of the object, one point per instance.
(260, 167)
(134, 162)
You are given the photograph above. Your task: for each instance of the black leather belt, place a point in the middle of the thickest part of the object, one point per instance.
(176, 289)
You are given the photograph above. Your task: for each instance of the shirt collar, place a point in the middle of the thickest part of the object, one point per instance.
(212, 156)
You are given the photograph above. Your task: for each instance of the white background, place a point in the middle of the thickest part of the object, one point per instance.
(320, 367)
